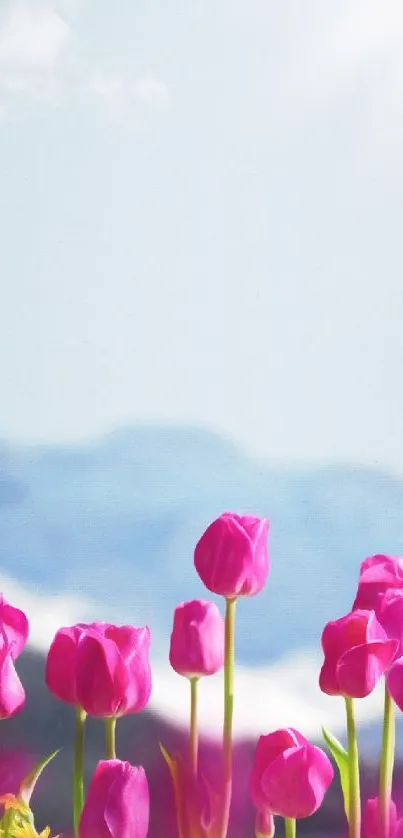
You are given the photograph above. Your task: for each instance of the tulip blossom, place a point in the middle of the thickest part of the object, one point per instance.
(113, 675)
(12, 695)
(231, 557)
(390, 616)
(357, 653)
(14, 627)
(289, 776)
(102, 668)
(61, 663)
(371, 824)
(197, 639)
(117, 803)
(378, 574)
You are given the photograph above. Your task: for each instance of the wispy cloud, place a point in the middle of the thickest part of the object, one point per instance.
(119, 94)
(31, 40)
(40, 60)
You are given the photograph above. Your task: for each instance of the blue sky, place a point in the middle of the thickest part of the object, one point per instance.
(201, 215)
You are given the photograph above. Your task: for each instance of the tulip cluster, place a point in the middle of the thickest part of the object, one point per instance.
(103, 671)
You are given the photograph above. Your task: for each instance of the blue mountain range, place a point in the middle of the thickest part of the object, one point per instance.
(116, 521)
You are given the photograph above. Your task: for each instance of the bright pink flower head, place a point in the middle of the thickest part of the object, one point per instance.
(113, 676)
(231, 557)
(290, 777)
(197, 639)
(61, 663)
(14, 627)
(103, 668)
(12, 695)
(371, 824)
(117, 803)
(378, 574)
(357, 653)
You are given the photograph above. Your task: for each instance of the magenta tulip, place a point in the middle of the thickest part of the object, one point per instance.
(14, 627)
(378, 574)
(117, 803)
(290, 777)
(357, 653)
(102, 668)
(231, 557)
(12, 695)
(371, 824)
(61, 663)
(113, 676)
(197, 639)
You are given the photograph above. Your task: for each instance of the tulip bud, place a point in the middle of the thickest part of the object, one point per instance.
(378, 574)
(371, 825)
(113, 671)
(197, 639)
(117, 803)
(289, 776)
(357, 653)
(231, 557)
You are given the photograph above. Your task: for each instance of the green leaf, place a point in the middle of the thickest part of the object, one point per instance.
(173, 764)
(28, 785)
(340, 756)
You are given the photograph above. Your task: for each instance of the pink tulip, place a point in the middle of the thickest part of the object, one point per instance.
(290, 777)
(113, 676)
(61, 663)
(12, 695)
(103, 668)
(14, 627)
(357, 653)
(378, 574)
(117, 803)
(197, 639)
(399, 829)
(371, 825)
(231, 557)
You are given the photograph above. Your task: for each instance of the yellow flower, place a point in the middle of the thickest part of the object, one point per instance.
(26, 830)
(10, 801)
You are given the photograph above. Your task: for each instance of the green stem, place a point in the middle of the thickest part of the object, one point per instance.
(354, 819)
(110, 737)
(290, 827)
(194, 732)
(386, 767)
(229, 664)
(78, 774)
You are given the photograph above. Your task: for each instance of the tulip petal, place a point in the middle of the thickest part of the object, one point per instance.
(359, 670)
(295, 783)
(102, 678)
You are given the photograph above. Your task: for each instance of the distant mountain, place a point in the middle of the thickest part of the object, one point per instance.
(116, 520)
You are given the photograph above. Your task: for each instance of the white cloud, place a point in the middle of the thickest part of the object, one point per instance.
(120, 94)
(152, 91)
(32, 39)
(284, 694)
